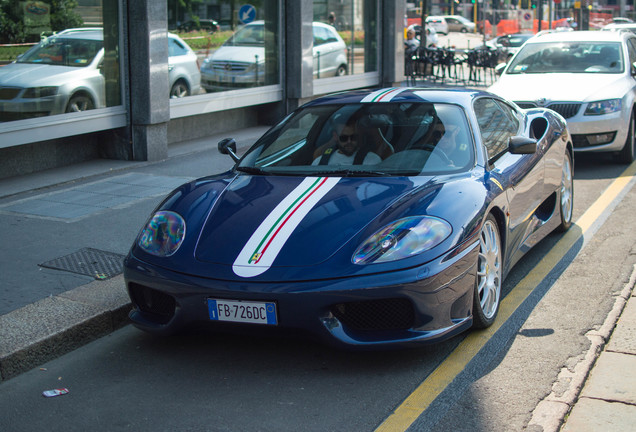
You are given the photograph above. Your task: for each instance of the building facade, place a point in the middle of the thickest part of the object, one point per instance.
(127, 102)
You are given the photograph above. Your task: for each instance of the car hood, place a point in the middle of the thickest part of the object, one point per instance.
(295, 228)
(244, 54)
(34, 75)
(559, 87)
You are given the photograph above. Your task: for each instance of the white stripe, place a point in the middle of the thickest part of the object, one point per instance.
(241, 265)
(390, 94)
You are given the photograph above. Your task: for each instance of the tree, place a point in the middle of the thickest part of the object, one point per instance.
(12, 26)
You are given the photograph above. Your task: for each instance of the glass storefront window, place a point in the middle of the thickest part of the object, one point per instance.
(63, 61)
(356, 23)
(237, 46)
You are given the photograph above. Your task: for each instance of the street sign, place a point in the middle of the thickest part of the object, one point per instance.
(247, 14)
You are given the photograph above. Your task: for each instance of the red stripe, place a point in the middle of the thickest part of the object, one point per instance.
(287, 218)
(386, 94)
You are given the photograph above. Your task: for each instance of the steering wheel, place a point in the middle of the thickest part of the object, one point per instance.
(438, 153)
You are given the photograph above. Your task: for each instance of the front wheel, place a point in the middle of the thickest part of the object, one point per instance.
(566, 193)
(626, 155)
(489, 274)
(341, 71)
(79, 102)
(179, 90)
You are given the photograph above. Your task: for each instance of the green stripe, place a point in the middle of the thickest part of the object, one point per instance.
(281, 217)
(380, 95)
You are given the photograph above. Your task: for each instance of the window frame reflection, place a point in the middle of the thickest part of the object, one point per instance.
(102, 97)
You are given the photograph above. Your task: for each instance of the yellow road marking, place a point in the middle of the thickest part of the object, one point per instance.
(418, 401)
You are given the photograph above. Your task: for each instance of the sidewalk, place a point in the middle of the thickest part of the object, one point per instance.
(608, 399)
(56, 324)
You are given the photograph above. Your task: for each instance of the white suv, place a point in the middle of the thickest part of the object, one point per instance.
(586, 76)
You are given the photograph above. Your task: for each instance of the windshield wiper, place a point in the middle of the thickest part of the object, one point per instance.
(352, 173)
(252, 170)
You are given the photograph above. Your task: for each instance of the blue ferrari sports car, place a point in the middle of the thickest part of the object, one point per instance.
(370, 219)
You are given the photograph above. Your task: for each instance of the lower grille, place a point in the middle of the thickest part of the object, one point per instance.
(383, 314)
(8, 93)
(157, 306)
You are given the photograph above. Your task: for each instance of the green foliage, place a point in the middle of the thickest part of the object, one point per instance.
(9, 54)
(201, 40)
(12, 28)
(63, 16)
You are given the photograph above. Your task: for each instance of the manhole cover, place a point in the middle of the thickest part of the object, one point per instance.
(90, 262)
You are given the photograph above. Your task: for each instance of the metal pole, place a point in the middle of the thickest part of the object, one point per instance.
(423, 6)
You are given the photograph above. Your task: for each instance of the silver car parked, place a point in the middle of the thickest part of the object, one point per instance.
(588, 77)
(63, 73)
(240, 61)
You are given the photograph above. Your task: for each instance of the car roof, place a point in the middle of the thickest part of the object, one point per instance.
(460, 96)
(580, 36)
(618, 26)
(315, 24)
(92, 33)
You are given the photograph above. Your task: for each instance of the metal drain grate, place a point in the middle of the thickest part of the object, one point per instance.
(90, 262)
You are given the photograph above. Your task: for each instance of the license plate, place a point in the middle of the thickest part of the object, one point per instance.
(242, 311)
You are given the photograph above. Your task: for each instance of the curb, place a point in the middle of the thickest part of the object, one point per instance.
(551, 413)
(56, 325)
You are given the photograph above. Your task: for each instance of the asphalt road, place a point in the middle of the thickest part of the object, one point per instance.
(208, 382)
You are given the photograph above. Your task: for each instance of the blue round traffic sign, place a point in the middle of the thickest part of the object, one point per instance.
(247, 14)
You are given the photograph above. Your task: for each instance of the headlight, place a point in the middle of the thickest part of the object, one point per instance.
(402, 239)
(603, 107)
(163, 234)
(39, 92)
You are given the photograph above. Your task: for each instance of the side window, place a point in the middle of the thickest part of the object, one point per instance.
(175, 48)
(497, 123)
(631, 48)
(320, 36)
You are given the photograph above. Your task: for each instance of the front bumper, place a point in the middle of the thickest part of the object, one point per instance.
(22, 108)
(611, 128)
(426, 304)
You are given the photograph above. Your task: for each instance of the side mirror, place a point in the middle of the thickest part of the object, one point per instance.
(228, 146)
(522, 145)
(633, 69)
(500, 68)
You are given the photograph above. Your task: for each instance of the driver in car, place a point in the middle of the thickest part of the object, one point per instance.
(346, 150)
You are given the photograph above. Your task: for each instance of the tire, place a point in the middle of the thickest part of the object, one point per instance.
(179, 89)
(626, 156)
(463, 30)
(79, 102)
(341, 71)
(489, 275)
(566, 194)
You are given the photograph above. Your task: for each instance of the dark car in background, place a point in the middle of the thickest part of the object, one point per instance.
(208, 25)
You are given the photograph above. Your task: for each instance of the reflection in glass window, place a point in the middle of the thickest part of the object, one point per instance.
(183, 66)
(356, 23)
(497, 124)
(242, 52)
(402, 139)
(71, 70)
(330, 52)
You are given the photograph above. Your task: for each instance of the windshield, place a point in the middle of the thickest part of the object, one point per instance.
(250, 35)
(63, 52)
(568, 57)
(365, 140)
